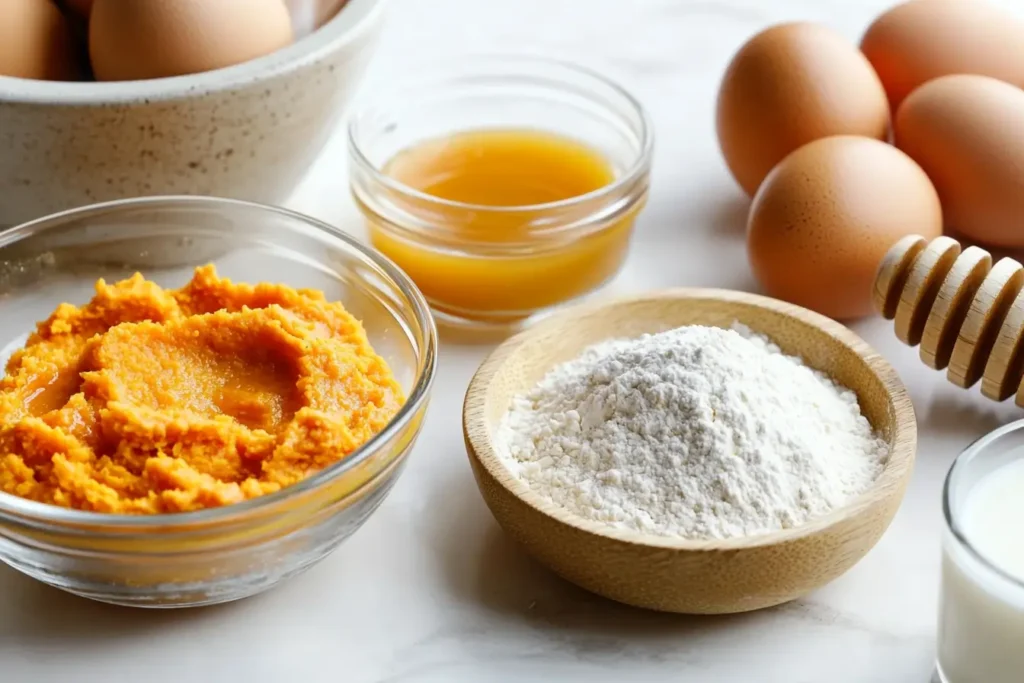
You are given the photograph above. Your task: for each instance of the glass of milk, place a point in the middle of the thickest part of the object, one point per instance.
(981, 613)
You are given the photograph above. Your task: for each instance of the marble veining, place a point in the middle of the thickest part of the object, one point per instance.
(430, 590)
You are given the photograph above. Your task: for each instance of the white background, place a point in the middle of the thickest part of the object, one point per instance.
(429, 590)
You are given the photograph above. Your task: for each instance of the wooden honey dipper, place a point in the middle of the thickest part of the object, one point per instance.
(966, 312)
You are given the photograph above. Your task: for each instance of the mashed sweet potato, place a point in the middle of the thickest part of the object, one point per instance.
(150, 401)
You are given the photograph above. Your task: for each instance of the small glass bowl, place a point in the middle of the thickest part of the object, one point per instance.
(221, 554)
(981, 607)
(564, 249)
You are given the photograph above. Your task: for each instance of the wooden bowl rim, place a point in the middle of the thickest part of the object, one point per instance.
(898, 467)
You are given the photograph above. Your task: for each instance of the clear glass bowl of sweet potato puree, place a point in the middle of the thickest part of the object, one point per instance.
(504, 186)
(228, 551)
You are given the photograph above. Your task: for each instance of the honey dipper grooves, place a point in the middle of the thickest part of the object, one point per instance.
(965, 311)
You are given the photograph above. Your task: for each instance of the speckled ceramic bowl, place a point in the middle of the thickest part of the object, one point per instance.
(249, 131)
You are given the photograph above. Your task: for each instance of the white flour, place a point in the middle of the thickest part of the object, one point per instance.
(697, 432)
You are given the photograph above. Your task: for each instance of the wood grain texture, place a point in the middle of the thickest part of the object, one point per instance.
(952, 304)
(677, 575)
(973, 311)
(893, 272)
(978, 331)
(922, 287)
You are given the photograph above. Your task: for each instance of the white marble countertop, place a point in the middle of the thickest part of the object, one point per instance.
(430, 590)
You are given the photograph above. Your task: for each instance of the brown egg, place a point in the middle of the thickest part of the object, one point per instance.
(826, 215)
(139, 39)
(791, 84)
(36, 41)
(923, 39)
(967, 133)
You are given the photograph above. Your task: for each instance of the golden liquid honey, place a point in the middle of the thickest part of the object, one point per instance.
(497, 251)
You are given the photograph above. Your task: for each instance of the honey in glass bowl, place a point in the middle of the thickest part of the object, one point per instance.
(503, 191)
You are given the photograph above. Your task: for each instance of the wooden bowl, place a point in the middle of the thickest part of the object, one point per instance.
(671, 574)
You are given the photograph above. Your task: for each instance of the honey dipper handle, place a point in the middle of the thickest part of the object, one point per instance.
(966, 313)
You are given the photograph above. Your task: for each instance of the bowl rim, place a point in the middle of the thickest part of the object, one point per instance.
(892, 480)
(353, 20)
(501, 65)
(952, 512)
(23, 511)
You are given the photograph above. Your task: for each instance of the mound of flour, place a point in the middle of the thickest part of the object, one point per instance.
(698, 432)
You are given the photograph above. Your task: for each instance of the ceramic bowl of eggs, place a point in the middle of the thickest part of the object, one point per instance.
(106, 99)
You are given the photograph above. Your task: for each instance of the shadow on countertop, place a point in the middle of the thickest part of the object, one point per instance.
(729, 217)
(963, 414)
(33, 612)
(484, 569)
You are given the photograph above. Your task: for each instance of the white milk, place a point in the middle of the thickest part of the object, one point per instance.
(981, 620)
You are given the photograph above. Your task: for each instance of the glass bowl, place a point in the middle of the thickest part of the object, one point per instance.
(220, 554)
(457, 253)
(981, 606)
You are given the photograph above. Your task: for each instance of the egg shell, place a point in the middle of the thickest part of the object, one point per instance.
(789, 85)
(36, 41)
(826, 215)
(920, 40)
(141, 39)
(967, 133)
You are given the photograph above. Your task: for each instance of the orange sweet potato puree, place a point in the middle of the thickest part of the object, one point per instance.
(150, 401)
